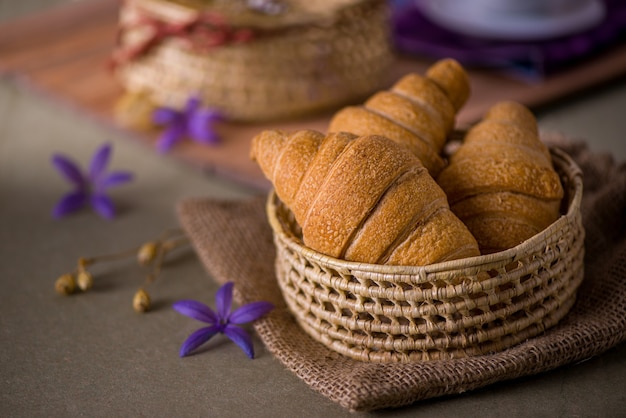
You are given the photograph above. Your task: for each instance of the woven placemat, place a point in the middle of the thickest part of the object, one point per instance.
(234, 242)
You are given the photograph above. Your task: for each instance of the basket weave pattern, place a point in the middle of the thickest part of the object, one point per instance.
(298, 70)
(447, 310)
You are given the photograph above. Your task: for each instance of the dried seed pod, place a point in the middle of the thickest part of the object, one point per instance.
(65, 285)
(134, 110)
(84, 279)
(141, 301)
(84, 262)
(147, 253)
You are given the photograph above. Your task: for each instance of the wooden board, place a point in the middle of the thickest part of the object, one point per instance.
(63, 52)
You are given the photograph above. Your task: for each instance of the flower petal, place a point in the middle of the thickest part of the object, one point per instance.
(204, 136)
(68, 169)
(114, 179)
(103, 205)
(198, 338)
(240, 337)
(250, 312)
(206, 116)
(200, 128)
(69, 203)
(165, 116)
(196, 310)
(99, 161)
(193, 103)
(169, 137)
(224, 300)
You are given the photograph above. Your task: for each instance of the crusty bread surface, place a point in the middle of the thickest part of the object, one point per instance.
(418, 111)
(501, 182)
(363, 198)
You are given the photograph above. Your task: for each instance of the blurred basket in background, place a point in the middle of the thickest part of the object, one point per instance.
(290, 59)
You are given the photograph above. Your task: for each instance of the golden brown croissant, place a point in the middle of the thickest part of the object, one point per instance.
(417, 111)
(501, 182)
(362, 198)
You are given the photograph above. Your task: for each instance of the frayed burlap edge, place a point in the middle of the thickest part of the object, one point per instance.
(234, 242)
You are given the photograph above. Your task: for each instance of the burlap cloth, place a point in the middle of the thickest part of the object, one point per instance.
(234, 242)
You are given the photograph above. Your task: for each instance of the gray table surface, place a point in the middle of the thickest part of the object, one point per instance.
(91, 355)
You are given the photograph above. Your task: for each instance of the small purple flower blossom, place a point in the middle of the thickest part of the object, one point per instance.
(91, 187)
(223, 321)
(193, 121)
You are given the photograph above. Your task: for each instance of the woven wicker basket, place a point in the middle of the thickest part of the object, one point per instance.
(300, 63)
(447, 310)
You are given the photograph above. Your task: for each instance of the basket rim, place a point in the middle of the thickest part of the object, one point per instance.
(559, 157)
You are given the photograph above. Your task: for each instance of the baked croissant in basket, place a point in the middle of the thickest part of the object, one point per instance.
(501, 182)
(362, 198)
(417, 111)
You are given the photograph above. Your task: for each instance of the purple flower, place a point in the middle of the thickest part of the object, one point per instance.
(223, 321)
(90, 187)
(193, 121)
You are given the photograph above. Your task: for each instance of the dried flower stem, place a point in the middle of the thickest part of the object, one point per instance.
(84, 261)
(161, 242)
(163, 249)
(150, 253)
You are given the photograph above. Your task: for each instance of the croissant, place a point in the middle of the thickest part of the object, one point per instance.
(362, 198)
(417, 111)
(501, 182)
